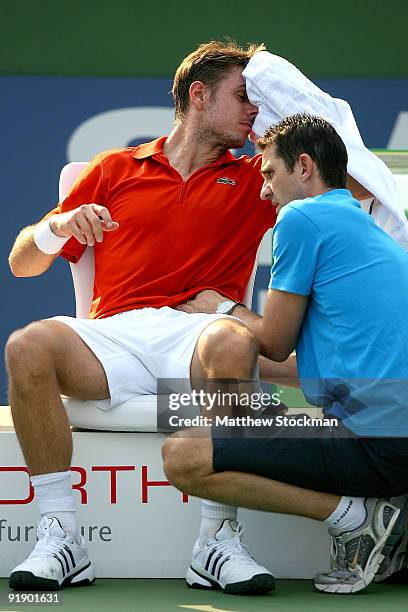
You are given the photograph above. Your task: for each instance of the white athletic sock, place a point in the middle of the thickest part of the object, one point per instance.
(53, 493)
(349, 514)
(212, 516)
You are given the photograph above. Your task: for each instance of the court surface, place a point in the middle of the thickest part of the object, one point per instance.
(174, 596)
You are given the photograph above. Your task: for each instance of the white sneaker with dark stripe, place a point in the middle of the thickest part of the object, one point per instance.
(223, 563)
(57, 561)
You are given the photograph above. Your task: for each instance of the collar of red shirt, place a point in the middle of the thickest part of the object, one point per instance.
(156, 146)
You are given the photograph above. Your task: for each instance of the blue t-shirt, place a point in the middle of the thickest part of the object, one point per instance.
(352, 350)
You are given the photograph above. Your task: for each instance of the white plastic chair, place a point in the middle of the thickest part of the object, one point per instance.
(140, 412)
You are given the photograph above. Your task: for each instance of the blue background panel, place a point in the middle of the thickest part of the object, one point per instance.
(40, 114)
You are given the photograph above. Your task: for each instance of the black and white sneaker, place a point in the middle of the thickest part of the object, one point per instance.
(57, 561)
(394, 567)
(356, 555)
(223, 563)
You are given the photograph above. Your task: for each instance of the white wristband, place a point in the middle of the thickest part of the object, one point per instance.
(45, 239)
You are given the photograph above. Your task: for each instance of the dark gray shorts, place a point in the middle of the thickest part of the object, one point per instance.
(341, 464)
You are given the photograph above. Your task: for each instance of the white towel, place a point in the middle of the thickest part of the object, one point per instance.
(279, 89)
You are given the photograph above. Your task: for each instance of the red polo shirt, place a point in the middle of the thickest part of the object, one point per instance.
(175, 237)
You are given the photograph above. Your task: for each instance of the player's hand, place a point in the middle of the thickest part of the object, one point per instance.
(206, 301)
(86, 223)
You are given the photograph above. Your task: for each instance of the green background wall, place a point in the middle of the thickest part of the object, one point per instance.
(353, 38)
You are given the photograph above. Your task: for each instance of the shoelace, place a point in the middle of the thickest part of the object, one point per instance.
(46, 545)
(233, 547)
(341, 570)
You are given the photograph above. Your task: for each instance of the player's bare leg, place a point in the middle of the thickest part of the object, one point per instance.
(226, 353)
(43, 360)
(225, 361)
(225, 349)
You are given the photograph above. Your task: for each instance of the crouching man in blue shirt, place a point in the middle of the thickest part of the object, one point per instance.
(339, 296)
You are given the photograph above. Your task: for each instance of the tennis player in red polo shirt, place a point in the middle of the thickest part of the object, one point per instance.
(167, 219)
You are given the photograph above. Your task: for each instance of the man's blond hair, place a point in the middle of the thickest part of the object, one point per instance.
(209, 63)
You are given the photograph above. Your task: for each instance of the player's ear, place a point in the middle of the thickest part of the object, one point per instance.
(307, 166)
(198, 94)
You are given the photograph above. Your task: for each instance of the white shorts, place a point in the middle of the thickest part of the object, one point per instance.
(137, 347)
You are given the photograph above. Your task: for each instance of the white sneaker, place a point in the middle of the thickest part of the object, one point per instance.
(56, 561)
(223, 563)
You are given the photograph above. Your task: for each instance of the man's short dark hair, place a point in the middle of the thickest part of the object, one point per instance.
(303, 133)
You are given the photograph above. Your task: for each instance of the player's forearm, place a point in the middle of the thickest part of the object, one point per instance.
(282, 373)
(25, 258)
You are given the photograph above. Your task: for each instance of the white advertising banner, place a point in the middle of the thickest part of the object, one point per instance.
(135, 523)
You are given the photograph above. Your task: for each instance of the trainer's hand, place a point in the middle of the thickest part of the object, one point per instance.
(86, 223)
(206, 301)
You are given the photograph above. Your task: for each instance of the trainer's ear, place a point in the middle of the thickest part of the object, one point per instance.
(307, 167)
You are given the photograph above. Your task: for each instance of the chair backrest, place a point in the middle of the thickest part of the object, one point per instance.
(83, 272)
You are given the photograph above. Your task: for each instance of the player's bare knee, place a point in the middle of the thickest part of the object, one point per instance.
(228, 348)
(29, 349)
